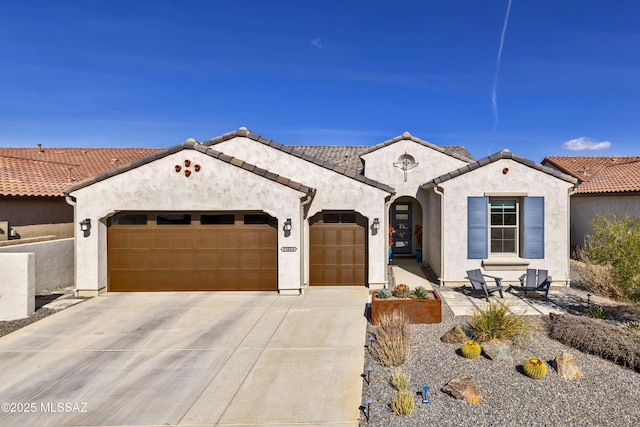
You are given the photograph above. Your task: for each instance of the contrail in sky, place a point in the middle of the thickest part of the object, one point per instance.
(494, 96)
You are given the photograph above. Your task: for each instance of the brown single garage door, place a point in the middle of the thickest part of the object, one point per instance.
(337, 253)
(192, 252)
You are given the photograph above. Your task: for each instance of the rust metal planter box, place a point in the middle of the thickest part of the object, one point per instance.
(417, 310)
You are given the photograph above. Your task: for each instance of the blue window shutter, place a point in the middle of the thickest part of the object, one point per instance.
(533, 230)
(477, 227)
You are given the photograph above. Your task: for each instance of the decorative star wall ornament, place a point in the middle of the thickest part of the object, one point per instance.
(405, 163)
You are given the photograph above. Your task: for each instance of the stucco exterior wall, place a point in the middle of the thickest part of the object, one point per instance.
(520, 180)
(53, 262)
(156, 186)
(378, 165)
(586, 207)
(333, 192)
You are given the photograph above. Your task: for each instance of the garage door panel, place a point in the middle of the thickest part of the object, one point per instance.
(192, 257)
(337, 254)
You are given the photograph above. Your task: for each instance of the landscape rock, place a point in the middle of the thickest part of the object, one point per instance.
(464, 387)
(497, 350)
(455, 335)
(566, 367)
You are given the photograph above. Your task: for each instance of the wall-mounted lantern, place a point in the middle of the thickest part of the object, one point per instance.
(287, 225)
(85, 225)
(376, 223)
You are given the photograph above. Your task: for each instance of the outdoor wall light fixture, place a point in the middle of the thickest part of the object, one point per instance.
(287, 225)
(376, 223)
(85, 224)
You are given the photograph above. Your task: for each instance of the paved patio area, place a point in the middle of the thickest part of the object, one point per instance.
(561, 299)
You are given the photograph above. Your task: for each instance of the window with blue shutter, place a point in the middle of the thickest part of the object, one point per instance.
(533, 228)
(477, 227)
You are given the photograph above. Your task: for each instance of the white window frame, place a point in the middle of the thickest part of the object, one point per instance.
(516, 227)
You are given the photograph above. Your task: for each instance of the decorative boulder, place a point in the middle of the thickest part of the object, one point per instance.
(497, 350)
(463, 387)
(566, 367)
(455, 335)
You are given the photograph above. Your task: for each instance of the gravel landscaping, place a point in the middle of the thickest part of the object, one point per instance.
(8, 326)
(608, 395)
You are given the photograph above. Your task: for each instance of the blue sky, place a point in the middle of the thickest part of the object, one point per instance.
(153, 73)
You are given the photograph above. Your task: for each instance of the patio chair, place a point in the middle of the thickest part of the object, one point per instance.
(479, 283)
(534, 281)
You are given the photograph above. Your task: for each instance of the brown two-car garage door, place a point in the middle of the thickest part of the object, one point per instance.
(337, 255)
(192, 252)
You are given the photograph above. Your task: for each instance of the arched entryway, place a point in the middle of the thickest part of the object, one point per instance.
(406, 221)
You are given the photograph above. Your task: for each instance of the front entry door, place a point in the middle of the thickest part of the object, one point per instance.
(401, 222)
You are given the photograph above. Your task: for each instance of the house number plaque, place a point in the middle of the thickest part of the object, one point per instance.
(288, 249)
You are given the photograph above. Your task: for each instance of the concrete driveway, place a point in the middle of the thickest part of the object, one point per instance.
(211, 358)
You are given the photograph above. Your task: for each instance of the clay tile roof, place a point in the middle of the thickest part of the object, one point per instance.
(48, 171)
(600, 174)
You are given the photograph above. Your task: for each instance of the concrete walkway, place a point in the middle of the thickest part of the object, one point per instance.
(216, 359)
(408, 271)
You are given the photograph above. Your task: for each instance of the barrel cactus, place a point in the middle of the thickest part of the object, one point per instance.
(401, 291)
(535, 368)
(470, 349)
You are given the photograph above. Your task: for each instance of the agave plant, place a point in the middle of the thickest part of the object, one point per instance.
(420, 292)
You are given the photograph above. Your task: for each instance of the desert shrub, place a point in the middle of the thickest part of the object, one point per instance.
(497, 321)
(392, 338)
(599, 337)
(616, 241)
(400, 380)
(597, 278)
(403, 403)
(598, 312)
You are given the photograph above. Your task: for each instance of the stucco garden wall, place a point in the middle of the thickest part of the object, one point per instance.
(17, 287)
(157, 187)
(53, 263)
(586, 207)
(520, 180)
(334, 192)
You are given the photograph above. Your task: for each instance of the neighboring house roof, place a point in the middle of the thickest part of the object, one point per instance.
(192, 144)
(501, 155)
(290, 149)
(600, 174)
(458, 152)
(48, 171)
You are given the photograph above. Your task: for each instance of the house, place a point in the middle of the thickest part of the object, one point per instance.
(243, 212)
(608, 185)
(33, 180)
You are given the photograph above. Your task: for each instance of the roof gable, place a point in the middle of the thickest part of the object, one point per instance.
(307, 155)
(191, 144)
(457, 152)
(501, 155)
